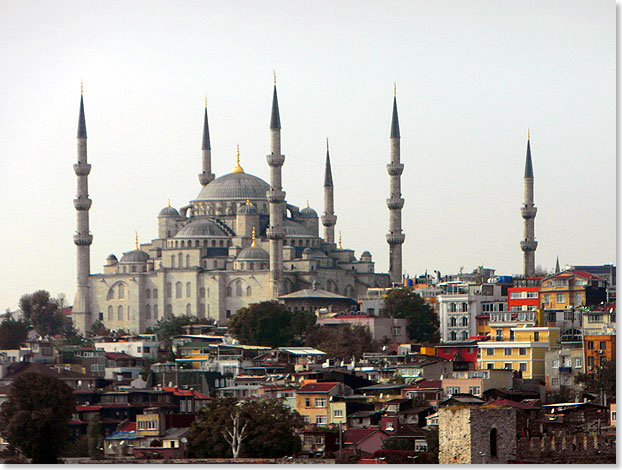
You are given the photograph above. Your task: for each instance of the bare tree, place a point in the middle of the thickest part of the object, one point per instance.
(236, 435)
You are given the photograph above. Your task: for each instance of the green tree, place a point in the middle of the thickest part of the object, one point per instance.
(95, 438)
(43, 312)
(13, 333)
(604, 378)
(72, 336)
(266, 429)
(270, 324)
(98, 329)
(422, 320)
(342, 342)
(35, 416)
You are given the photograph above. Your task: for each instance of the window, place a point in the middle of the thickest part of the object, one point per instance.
(590, 361)
(499, 334)
(148, 293)
(320, 402)
(321, 419)
(532, 295)
(603, 345)
(555, 381)
(490, 365)
(338, 413)
(109, 312)
(560, 298)
(148, 312)
(155, 312)
(147, 349)
(120, 313)
(180, 260)
(138, 348)
(421, 446)
(238, 288)
(187, 261)
(522, 351)
(555, 363)
(249, 291)
(474, 390)
(397, 330)
(188, 310)
(547, 298)
(507, 365)
(536, 336)
(594, 318)
(490, 352)
(453, 336)
(507, 351)
(465, 321)
(388, 426)
(511, 335)
(451, 390)
(452, 307)
(516, 295)
(178, 290)
(188, 289)
(578, 299)
(522, 366)
(465, 307)
(577, 362)
(228, 313)
(590, 344)
(452, 321)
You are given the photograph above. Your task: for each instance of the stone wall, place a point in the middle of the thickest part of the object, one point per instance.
(578, 448)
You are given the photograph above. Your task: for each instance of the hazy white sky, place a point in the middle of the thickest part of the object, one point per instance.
(471, 77)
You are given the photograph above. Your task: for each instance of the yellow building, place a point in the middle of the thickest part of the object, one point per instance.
(570, 289)
(516, 343)
(314, 403)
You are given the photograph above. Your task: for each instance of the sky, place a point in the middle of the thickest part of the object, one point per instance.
(471, 78)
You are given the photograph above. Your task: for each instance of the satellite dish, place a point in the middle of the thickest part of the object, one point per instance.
(184, 440)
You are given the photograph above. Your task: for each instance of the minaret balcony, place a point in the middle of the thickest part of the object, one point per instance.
(395, 238)
(528, 245)
(275, 196)
(205, 178)
(275, 233)
(395, 169)
(83, 239)
(394, 204)
(275, 160)
(528, 212)
(329, 220)
(82, 169)
(82, 203)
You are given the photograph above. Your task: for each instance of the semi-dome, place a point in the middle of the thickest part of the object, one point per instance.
(247, 209)
(252, 253)
(202, 228)
(135, 256)
(295, 229)
(235, 186)
(308, 212)
(168, 211)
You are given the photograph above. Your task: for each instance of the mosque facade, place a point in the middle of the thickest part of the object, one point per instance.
(238, 242)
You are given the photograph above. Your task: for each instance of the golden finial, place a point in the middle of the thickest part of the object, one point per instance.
(248, 202)
(136, 240)
(307, 203)
(394, 89)
(169, 203)
(339, 246)
(274, 75)
(237, 168)
(253, 236)
(527, 133)
(206, 101)
(81, 87)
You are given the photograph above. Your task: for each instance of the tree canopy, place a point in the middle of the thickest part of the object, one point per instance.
(422, 320)
(342, 342)
(268, 429)
(13, 333)
(35, 416)
(43, 312)
(604, 378)
(270, 324)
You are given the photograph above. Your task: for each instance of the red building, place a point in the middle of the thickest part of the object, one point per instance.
(524, 293)
(464, 354)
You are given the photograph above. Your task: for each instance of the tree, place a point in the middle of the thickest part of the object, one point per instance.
(270, 324)
(35, 416)
(72, 336)
(13, 333)
(95, 438)
(43, 312)
(172, 326)
(604, 378)
(422, 320)
(342, 342)
(255, 429)
(98, 329)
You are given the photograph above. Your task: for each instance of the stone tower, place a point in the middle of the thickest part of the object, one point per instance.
(276, 198)
(395, 237)
(206, 153)
(329, 219)
(528, 211)
(82, 238)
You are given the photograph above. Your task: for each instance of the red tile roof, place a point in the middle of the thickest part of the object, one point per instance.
(116, 356)
(88, 407)
(185, 393)
(321, 387)
(354, 436)
(129, 427)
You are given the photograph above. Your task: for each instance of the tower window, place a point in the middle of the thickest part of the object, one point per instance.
(178, 290)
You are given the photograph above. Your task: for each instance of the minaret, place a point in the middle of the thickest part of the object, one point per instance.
(276, 197)
(395, 237)
(557, 270)
(81, 306)
(528, 211)
(206, 153)
(329, 219)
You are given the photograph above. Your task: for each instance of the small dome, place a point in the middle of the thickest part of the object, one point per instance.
(307, 251)
(202, 228)
(295, 229)
(365, 253)
(111, 257)
(252, 253)
(308, 212)
(135, 256)
(247, 209)
(168, 211)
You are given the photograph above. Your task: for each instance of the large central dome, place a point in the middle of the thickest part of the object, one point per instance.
(241, 186)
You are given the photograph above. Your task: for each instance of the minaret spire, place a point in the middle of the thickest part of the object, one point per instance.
(528, 212)
(557, 270)
(395, 237)
(276, 198)
(329, 219)
(81, 309)
(206, 176)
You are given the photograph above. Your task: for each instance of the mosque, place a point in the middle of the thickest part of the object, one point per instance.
(238, 242)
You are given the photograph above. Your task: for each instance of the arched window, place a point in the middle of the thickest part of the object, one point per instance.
(180, 260)
(251, 266)
(155, 312)
(452, 307)
(187, 261)
(493, 442)
(148, 293)
(222, 243)
(465, 307)
(120, 312)
(215, 263)
(201, 310)
(169, 310)
(168, 290)
(121, 290)
(188, 310)
(464, 335)
(110, 294)
(196, 243)
(248, 291)
(202, 292)
(110, 312)
(188, 289)
(452, 321)
(148, 312)
(178, 290)
(465, 321)
(453, 336)
(238, 288)
(155, 293)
